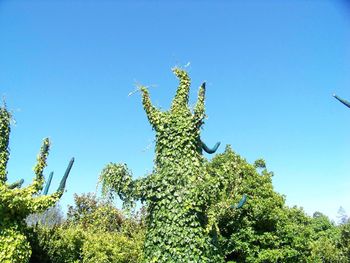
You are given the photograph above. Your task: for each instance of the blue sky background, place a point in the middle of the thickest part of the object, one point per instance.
(67, 67)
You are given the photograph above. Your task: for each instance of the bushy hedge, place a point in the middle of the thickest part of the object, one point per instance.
(95, 232)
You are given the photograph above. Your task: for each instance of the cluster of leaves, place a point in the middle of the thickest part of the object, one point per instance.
(17, 203)
(94, 232)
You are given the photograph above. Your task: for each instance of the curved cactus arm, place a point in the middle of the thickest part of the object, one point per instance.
(153, 114)
(199, 109)
(5, 118)
(240, 203)
(345, 102)
(48, 183)
(210, 150)
(181, 98)
(16, 184)
(65, 176)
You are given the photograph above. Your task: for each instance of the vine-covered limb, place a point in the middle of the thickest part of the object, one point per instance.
(345, 102)
(210, 150)
(38, 182)
(139, 189)
(199, 109)
(16, 184)
(182, 93)
(153, 114)
(5, 118)
(117, 180)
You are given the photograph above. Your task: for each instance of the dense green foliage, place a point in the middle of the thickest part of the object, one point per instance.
(94, 232)
(17, 203)
(265, 229)
(188, 214)
(188, 199)
(180, 190)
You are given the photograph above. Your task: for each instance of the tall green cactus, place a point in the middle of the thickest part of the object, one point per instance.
(180, 190)
(17, 203)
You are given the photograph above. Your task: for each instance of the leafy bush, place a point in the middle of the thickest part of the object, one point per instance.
(95, 231)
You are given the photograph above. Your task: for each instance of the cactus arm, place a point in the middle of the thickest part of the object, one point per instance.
(345, 102)
(182, 93)
(48, 183)
(153, 114)
(240, 203)
(199, 109)
(43, 202)
(210, 150)
(5, 129)
(65, 176)
(16, 184)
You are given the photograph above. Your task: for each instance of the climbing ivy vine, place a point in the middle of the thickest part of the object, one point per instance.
(17, 203)
(180, 190)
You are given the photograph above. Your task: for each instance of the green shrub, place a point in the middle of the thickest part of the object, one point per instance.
(95, 231)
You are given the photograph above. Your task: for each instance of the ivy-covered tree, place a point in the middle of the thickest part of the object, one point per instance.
(17, 203)
(180, 190)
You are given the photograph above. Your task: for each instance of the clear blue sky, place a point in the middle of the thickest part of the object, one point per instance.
(67, 67)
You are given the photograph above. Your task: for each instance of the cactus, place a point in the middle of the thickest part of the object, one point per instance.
(16, 184)
(48, 183)
(346, 103)
(180, 190)
(210, 150)
(241, 202)
(17, 203)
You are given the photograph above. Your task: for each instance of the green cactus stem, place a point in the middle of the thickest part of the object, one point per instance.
(210, 150)
(65, 176)
(345, 102)
(240, 203)
(17, 184)
(48, 183)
